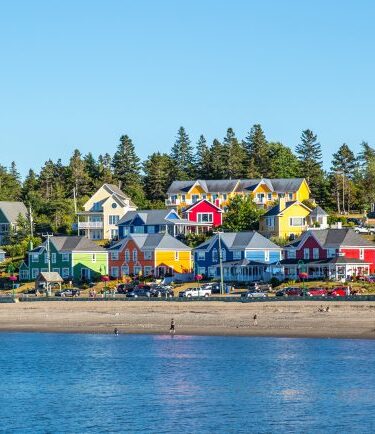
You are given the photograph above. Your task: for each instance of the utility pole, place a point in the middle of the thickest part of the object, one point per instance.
(48, 236)
(220, 263)
(31, 223)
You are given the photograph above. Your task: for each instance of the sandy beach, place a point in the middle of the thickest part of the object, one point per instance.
(288, 319)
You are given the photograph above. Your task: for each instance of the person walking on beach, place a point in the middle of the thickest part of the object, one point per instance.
(172, 328)
(255, 318)
(115, 331)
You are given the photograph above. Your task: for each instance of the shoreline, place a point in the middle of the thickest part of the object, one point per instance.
(296, 319)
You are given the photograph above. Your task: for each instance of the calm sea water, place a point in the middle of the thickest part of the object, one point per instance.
(101, 383)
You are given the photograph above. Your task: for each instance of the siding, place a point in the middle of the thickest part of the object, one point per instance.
(84, 260)
(167, 258)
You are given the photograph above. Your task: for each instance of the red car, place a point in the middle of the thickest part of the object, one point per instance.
(316, 292)
(290, 292)
(339, 291)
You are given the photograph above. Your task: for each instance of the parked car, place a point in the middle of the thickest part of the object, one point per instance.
(214, 287)
(290, 292)
(161, 291)
(259, 286)
(73, 292)
(364, 230)
(354, 220)
(124, 288)
(254, 294)
(195, 292)
(138, 292)
(339, 291)
(316, 292)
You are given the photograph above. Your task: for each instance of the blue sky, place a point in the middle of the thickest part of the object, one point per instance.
(81, 73)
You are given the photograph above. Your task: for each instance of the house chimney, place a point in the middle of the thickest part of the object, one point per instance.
(282, 203)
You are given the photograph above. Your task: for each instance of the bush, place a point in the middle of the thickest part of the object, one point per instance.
(274, 282)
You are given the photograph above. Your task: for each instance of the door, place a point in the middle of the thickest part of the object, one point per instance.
(85, 274)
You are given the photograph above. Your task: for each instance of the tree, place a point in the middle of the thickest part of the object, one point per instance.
(256, 147)
(343, 168)
(77, 175)
(105, 174)
(182, 156)
(202, 159)
(234, 156)
(218, 163)
(309, 154)
(157, 169)
(282, 162)
(242, 214)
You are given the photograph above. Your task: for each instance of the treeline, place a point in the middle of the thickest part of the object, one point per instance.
(348, 185)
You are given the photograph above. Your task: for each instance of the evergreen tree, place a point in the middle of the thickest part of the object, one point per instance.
(218, 163)
(282, 162)
(10, 187)
(158, 175)
(203, 159)
(46, 179)
(235, 156)
(309, 154)
(92, 169)
(256, 147)
(105, 174)
(78, 178)
(182, 156)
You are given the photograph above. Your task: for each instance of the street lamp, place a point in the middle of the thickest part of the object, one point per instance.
(219, 233)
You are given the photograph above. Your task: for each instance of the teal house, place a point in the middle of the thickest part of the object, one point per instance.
(74, 258)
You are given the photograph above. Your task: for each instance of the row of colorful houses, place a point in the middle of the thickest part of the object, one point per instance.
(242, 256)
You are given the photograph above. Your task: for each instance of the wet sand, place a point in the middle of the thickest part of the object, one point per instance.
(287, 319)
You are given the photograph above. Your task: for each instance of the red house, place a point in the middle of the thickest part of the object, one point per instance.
(331, 253)
(204, 212)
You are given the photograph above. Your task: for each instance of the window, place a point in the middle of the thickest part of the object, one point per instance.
(269, 196)
(362, 254)
(114, 205)
(147, 255)
(214, 197)
(34, 257)
(205, 217)
(290, 196)
(113, 219)
(93, 258)
(260, 197)
(135, 256)
(315, 253)
(176, 256)
(292, 254)
(34, 273)
(53, 258)
(65, 273)
(114, 233)
(138, 229)
(204, 196)
(56, 270)
(46, 258)
(150, 229)
(24, 274)
(44, 270)
(201, 256)
(212, 271)
(237, 254)
(125, 270)
(96, 206)
(127, 255)
(270, 222)
(331, 253)
(114, 256)
(195, 198)
(306, 253)
(297, 221)
(65, 257)
(214, 255)
(183, 198)
(147, 270)
(225, 196)
(114, 271)
(223, 255)
(137, 270)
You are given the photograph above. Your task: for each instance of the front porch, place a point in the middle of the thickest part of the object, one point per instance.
(244, 271)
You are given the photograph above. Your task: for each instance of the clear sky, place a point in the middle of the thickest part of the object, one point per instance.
(78, 73)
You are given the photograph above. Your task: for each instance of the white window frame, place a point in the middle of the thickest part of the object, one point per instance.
(125, 270)
(113, 219)
(127, 255)
(201, 255)
(35, 257)
(237, 254)
(293, 219)
(65, 257)
(269, 196)
(151, 229)
(34, 273)
(223, 255)
(24, 274)
(331, 253)
(211, 271)
(53, 258)
(114, 256)
(147, 270)
(115, 271)
(137, 269)
(201, 270)
(56, 270)
(147, 255)
(210, 217)
(65, 272)
(315, 253)
(292, 254)
(306, 254)
(215, 255)
(135, 255)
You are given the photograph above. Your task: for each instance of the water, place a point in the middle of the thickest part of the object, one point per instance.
(101, 383)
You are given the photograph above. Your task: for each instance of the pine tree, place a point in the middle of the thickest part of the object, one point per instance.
(256, 147)
(158, 175)
(218, 163)
(46, 179)
(235, 156)
(202, 159)
(182, 156)
(92, 169)
(77, 176)
(105, 174)
(309, 154)
(282, 162)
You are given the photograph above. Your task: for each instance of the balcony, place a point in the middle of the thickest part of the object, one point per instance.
(172, 202)
(90, 225)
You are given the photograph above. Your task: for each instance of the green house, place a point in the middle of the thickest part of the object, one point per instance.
(74, 258)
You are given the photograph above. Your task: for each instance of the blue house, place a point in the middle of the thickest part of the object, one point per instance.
(154, 221)
(245, 256)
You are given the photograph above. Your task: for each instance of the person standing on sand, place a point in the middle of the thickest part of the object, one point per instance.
(172, 328)
(115, 331)
(255, 318)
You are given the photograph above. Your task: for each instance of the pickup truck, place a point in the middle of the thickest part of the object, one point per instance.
(195, 292)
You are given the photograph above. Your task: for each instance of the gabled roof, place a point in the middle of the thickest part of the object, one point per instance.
(275, 210)
(151, 242)
(318, 212)
(334, 238)
(148, 216)
(70, 244)
(12, 210)
(51, 276)
(209, 186)
(240, 241)
(190, 207)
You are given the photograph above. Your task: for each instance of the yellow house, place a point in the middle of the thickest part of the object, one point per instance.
(285, 220)
(264, 191)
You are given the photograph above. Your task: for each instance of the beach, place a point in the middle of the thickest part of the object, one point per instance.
(283, 318)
